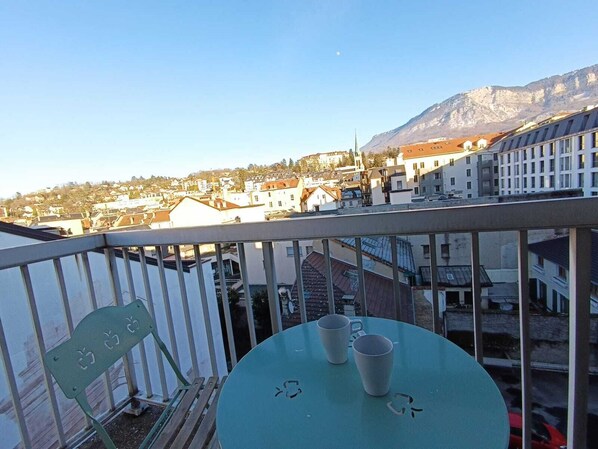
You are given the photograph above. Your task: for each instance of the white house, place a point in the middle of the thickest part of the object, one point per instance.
(320, 198)
(282, 195)
(192, 212)
(445, 166)
(549, 274)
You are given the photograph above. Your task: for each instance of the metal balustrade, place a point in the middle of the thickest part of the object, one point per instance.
(175, 296)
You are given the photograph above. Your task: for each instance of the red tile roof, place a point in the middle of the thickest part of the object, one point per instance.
(281, 184)
(379, 292)
(448, 146)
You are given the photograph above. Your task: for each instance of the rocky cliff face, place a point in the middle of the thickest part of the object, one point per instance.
(495, 108)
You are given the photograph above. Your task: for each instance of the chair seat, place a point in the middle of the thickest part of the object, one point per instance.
(192, 422)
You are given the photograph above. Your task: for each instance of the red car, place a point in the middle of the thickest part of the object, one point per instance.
(544, 436)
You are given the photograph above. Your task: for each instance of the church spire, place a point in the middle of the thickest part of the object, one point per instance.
(357, 154)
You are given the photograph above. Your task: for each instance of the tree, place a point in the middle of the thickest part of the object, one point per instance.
(284, 163)
(291, 163)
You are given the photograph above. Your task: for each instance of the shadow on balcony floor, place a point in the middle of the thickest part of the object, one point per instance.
(126, 431)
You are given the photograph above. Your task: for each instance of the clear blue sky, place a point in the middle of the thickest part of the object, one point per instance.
(103, 89)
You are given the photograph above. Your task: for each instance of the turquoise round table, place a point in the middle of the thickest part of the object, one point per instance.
(284, 394)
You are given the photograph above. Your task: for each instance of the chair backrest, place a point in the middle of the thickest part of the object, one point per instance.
(98, 341)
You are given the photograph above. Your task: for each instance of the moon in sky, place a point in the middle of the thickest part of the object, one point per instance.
(338, 53)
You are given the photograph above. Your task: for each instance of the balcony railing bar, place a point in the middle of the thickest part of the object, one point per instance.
(41, 348)
(66, 308)
(524, 339)
(434, 284)
(174, 347)
(299, 279)
(119, 301)
(247, 291)
(272, 286)
(13, 389)
(142, 349)
(225, 306)
(580, 258)
(476, 296)
(94, 305)
(328, 274)
(204, 304)
(396, 284)
(186, 311)
(581, 212)
(361, 276)
(39, 252)
(150, 306)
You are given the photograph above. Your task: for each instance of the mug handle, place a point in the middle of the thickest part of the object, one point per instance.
(359, 326)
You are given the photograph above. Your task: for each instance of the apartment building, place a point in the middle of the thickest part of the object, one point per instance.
(559, 153)
(445, 166)
(282, 195)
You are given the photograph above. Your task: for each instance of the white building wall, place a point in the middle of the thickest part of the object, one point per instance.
(377, 194)
(192, 213)
(321, 199)
(424, 165)
(283, 259)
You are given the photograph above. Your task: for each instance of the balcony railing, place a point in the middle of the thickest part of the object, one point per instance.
(48, 287)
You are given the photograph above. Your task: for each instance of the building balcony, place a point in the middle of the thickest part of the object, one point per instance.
(48, 287)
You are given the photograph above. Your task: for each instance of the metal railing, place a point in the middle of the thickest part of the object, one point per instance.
(113, 268)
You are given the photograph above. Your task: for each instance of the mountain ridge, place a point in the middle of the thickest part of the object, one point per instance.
(494, 109)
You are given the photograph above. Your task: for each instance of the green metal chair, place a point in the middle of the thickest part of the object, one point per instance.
(100, 340)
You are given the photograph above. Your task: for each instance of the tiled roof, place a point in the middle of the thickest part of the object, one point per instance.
(454, 276)
(281, 184)
(448, 146)
(380, 248)
(217, 203)
(557, 251)
(379, 292)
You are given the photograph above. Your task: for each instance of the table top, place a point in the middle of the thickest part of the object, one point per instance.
(285, 394)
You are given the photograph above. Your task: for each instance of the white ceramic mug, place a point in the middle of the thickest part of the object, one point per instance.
(373, 357)
(335, 332)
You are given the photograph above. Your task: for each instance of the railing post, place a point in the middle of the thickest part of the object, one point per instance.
(361, 276)
(226, 307)
(328, 273)
(580, 263)
(396, 283)
(248, 298)
(437, 328)
(118, 300)
(272, 287)
(524, 341)
(299, 280)
(476, 296)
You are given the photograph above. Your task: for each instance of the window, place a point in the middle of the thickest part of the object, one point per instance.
(424, 189)
(581, 142)
(580, 180)
(445, 251)
(533, 182)
(525, 151)
(469, 195)
(525, 183)
(565, 181)
(293, 197)
(509, 158)
(541, 167)
(291, 252)
(256, 198)
(422, 165)
(581, 160)
(542, 152)
(562, 273)
(468, 172)
(594, 179)
(532, 167)
(540, 261)
(415, 166)
(415, 178)
(468, 185)
(437, 175)
(594, 160)
(551, 182)
(452, 181)
(516, 157)
(437, 189)
(525, 169)
(280, 204)
(468, 159)
(452, 161)
(565, 146)
(541, 182)
(565, 163)
(270, 203)
(595, 139)
(416, 190)
(426, 251)
(551, 166)
(436, 163)
(270, 194)
(516, 170)
(423, 177)
(551, 148)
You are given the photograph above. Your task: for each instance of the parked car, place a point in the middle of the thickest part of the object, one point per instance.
(544, 436)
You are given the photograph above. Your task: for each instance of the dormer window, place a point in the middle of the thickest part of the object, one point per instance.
(467, 145)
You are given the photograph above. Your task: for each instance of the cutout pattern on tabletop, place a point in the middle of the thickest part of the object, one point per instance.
(402, 404)
(290, 389)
